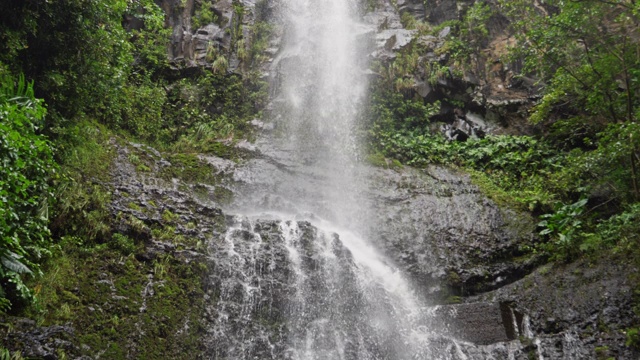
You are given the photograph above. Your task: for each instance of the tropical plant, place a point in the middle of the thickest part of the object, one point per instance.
(27, 167)
(563, 226)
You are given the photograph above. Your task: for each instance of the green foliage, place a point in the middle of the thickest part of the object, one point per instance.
(563, 227)
(203, 15)
(585, 55)
(122, 243)
(27, 166)
(471, 36)
(150, 42)
(82, 57)
(408, 21)
(633, 338)
(391, 111)
(204, 109)
(260, 35)
(585, 51)
(475, 22)
(467, 38)
(620, 232)
(7, 355)
(528, 173)
(117, 302)
(142, 111)
(82, 207)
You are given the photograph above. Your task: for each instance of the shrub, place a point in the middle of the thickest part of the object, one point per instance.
(27, 165)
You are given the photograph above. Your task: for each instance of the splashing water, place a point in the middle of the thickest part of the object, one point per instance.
(304, 283)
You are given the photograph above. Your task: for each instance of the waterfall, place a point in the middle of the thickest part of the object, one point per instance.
(349, 303)
(320, 91)
(344, 299)
(297, 277)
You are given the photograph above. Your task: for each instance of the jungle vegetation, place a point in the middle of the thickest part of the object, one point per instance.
(72, 75)
(578, 170)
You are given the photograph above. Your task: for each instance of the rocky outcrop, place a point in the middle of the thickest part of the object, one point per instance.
(197, 41)
(40, 342)
(450, 237)
(576, 311)
(489, 86)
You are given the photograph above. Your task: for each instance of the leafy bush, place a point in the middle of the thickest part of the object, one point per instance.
(203, 15)
(620, 232)
(27, 165)
(633, 338)
(82, 206)
(564, 228)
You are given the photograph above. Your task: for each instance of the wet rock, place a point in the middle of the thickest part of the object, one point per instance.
(439, 11)
(424, 89)
(479, 323)
(573, 309)
(389, 42)
(189, 46)
(40, 342)
(413, 7)
(384, 19)
(464, 127)
(435, 219)
(429, 42)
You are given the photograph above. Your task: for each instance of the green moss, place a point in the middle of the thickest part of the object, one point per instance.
(102, 295)
(169, 217)
(453, 278)
(378, 160)
(189, 168)
(166, 233)
(143, 168)
(222, 195)
(133, 206)
(122, 243)
(633, 338)
(602, 352)
(453, 299)
(203, 15)
(224, 151)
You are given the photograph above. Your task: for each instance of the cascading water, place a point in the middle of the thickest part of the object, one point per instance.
(319, 91)
(296, 277)
(339, 298)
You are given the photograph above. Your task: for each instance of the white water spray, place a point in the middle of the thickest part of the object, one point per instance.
(344, 299)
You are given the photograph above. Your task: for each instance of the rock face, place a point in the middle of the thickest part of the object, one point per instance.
(480, 323)
(268, 275)
(439, 11)
(193, 47)
(41, 342)
(451, 242)
(486, 86)
(441, 229)
(578, 311)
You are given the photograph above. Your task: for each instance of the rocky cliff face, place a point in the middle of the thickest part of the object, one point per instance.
(488, 298)
(197, 39)
(482, 92)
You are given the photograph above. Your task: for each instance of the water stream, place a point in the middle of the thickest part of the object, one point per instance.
(344, 299)
(300, 280)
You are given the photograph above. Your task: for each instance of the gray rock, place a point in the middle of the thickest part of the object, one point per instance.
(439, 11)
(424, 89)
(444, 32)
